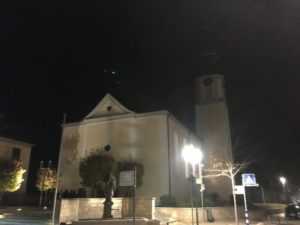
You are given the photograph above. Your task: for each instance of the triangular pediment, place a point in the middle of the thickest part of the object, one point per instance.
(108, 106)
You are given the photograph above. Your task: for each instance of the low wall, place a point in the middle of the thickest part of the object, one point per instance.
(184, 215)
(92, 208)
(117, 222)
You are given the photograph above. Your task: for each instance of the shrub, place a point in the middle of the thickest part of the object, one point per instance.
(168, 201)
(207, 202)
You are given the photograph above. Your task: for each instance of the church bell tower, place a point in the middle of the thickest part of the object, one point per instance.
(212, 125)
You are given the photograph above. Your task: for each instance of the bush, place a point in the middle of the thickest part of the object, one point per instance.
(207, 202)
(168, 201)
(94, 170)
(171, 201)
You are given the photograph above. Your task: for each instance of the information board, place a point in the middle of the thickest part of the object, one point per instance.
(127, 178)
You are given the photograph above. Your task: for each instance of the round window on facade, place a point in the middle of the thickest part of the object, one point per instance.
(207, 82)
(108, 108)
(107, 148)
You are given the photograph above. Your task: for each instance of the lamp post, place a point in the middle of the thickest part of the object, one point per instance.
(45, 170)
(193, 156)
(283, 181)
(201, 190)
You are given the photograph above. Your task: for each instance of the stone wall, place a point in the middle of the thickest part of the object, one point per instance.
(184, 215)
(92, 208)
(145, 207)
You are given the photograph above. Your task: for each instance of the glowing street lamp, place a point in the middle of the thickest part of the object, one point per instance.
(283, 181)
(193, 156)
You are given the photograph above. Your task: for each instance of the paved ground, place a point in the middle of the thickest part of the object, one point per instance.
(25, 216)
(242, 223)
(254, 223)
(283, 222)
(37, 216)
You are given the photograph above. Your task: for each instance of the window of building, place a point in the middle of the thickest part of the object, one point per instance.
(16, 153)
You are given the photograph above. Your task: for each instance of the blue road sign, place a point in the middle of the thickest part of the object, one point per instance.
(249, 180)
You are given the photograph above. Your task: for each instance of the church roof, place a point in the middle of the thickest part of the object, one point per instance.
(108, 106)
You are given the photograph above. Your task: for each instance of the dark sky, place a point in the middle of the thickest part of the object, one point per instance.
(58, 57)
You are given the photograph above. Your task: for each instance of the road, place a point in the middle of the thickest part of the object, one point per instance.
(25, 216)
(37, 216)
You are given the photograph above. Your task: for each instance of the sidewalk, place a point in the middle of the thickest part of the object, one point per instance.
(283, 222)
(38, 216)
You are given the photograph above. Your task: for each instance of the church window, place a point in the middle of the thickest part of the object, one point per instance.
(107, 148)
(207, 95)
(108, 108)
(16, 153)
(207, 82)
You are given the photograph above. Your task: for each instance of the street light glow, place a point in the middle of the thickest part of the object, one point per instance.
(282, 180)
(192, 154)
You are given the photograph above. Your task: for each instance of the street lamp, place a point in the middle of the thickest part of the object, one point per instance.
(283, 181)
(193, 156)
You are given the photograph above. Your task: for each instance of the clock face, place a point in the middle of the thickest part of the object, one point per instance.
(207, 82)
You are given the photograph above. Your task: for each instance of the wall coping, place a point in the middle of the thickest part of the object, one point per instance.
(119, 198)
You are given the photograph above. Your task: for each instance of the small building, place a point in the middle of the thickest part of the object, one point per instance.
(17, 150)
(155, 139)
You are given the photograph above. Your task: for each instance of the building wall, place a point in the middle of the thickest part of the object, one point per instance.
(6, 151)
(213, 125)
(180, 170)
(143, 138)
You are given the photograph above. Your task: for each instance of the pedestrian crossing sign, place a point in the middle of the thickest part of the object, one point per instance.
(249, 180)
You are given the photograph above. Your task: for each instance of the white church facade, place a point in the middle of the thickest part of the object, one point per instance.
(155, 139)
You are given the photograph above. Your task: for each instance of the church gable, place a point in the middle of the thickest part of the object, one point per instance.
(108, 106)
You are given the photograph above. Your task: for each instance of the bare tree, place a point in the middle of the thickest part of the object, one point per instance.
(230, 170)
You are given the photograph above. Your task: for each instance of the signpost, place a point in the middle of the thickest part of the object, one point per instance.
(239, 190)
(248, 180)
(202, 188)
(128, 179)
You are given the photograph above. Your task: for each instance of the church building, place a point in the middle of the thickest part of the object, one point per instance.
(154, 139)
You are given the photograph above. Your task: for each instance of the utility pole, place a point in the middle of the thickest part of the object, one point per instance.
(58, 170)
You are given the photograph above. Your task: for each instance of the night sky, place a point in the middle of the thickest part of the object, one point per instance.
(58, 57)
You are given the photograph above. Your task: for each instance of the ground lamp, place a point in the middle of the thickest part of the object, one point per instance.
(193, 156)
(283, 181)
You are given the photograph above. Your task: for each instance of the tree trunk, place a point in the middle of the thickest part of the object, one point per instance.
(234, 200)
